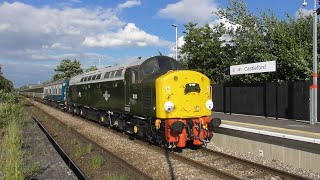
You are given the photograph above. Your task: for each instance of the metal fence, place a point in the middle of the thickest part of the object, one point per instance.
(287, 100)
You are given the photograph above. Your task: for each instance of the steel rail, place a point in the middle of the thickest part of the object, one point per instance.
(117, 158)
(71, 164)
(206, 168)
(267, 169)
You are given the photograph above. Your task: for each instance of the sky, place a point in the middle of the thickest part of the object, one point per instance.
(35, 35)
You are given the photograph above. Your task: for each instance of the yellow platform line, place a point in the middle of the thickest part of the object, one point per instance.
(277, 129)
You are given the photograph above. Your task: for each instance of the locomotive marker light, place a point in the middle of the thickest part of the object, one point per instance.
(209, 104)
(168, 106)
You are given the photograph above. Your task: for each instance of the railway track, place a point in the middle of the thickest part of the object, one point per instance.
(216, 163)
(230, 167)
(68, 160)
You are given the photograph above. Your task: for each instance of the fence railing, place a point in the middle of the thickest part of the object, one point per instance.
(289, 100)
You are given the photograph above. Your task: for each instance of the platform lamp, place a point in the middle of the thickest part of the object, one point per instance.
(174, 25)
(314, 87)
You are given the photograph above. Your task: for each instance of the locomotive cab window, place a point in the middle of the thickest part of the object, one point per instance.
(158, 65)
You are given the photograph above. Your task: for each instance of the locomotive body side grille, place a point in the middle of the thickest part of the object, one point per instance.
(146, 99)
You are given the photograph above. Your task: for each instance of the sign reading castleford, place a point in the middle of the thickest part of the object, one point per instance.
(268, 66)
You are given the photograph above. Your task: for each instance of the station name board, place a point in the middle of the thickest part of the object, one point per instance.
(268, 66)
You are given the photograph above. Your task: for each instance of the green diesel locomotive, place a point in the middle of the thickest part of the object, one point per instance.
(153, 98)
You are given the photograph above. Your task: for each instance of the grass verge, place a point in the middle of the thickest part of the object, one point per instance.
(12, 115)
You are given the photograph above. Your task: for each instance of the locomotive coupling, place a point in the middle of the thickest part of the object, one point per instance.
(214, 123)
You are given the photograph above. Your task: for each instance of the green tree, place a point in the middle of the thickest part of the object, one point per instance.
(91, 68)
(5, 85)
(254, 38)
(67, 69)
(204, 51)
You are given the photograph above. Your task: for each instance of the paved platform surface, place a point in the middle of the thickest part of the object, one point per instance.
(285, 126)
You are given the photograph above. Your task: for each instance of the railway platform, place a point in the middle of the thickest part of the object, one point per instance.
(282, 128)
(292, 142)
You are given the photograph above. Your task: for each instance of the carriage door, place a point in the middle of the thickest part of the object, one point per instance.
(130, 78)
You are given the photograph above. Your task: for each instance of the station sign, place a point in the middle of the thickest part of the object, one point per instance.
(261, 67)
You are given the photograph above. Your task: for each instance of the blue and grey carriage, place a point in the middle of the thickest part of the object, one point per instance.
(55, 93)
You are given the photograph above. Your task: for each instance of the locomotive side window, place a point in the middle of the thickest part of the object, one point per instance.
(99, 76)
(118, 73)
(112, 74)
(81, 79)
(133, 76)
(89, 78)
(94, 77)
(150, 67)
(164, 64)
(85, 79)
(107, 75)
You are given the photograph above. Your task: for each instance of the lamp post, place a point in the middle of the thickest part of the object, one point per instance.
(174, 25)
(314, 87)
(315, 64)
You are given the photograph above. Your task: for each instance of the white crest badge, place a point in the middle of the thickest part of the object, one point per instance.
(106, 95)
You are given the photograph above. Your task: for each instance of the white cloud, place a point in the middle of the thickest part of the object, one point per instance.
(30, 34)
(59, 46)
(129, 4)
(24, 27)
(172, 47)
(190, 10)
(130, 35)
(304, 12)
(226, 24)
(4, 27)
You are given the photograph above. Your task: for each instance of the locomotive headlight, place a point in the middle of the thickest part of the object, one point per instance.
(168, 106)
(209, 104)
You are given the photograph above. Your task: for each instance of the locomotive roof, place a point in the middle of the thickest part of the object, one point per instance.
(78, 79)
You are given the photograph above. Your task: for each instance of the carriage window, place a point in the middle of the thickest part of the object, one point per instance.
(85, 78)
(81, 79)
(98, 77)
(118, 73)
(94, 77)
(89, 78)
(107, 75)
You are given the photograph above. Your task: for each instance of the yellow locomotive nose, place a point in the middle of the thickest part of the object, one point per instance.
(183, 94)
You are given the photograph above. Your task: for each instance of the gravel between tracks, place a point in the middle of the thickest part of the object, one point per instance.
(271, 163)
(154, 164)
